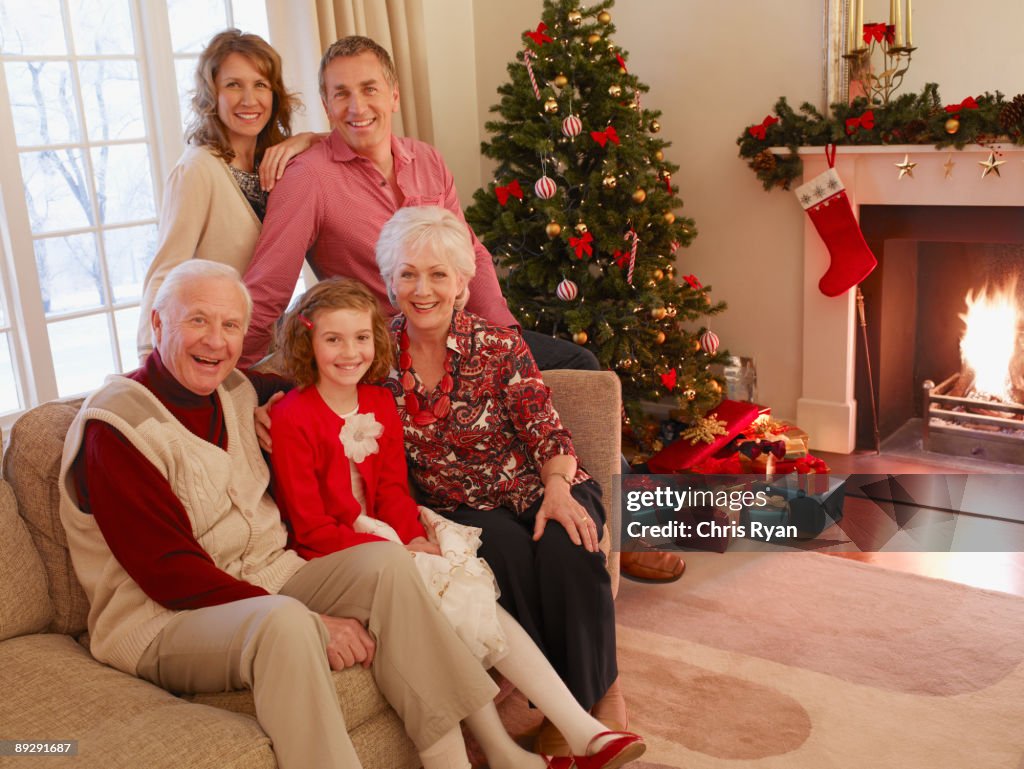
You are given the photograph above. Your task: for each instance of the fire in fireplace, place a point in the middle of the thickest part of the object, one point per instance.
(979, 411)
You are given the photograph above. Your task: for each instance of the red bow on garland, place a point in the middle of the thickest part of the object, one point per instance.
(622, 62)
(968, 103)
(602, 137)
(669, 380)
(694, 283)
(759, 131)
(539, 37)
(582, 244)
(879, 32)
(510, 189)
(865, 121)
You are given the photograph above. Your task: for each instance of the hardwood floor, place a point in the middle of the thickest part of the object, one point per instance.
(1002, 571)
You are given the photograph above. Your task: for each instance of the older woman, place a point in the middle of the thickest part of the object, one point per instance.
(214, 200)
(487, 449)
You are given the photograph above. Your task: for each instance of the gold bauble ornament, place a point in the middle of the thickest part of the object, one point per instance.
(651, 283)
(952, 125)
(658, 313)
(560, 81)
(655, 127)
(624, 364)
(580, 337)
(551, 105)
(609, 182)
(580, 228)
(575, 18)
(660, 337)
(604, 17)
(615, 90)
(640, 195)
(670, 217)
(554, 229)
(671, 310)
(594, 39)
(713, 384)
(690, 393)
(659, 155)
(658, 274)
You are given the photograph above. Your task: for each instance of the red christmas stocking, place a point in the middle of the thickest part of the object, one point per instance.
(824, 199)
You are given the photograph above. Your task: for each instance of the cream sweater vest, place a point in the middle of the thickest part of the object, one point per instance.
(224, 492)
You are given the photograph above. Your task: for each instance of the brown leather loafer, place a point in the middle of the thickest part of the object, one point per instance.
(652, 566)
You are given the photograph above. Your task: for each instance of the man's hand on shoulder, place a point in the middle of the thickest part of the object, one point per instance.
(350, 643)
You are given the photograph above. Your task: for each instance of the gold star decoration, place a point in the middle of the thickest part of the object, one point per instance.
(990, 165)
(906, 167)
(948, 165)
(704, 429)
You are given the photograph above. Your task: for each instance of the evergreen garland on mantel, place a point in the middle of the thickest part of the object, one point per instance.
(909, 119)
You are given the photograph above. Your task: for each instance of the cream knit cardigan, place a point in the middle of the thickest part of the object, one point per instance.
(205, 215)
(224, 492)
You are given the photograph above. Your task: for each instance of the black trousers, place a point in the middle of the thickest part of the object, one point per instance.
(550, 352)
(560, 593)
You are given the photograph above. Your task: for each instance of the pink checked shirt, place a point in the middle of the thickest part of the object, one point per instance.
(332, 203)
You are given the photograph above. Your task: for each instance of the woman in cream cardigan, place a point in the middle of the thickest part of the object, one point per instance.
(239, 142)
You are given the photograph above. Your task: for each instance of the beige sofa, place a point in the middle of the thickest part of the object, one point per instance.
(52, 689)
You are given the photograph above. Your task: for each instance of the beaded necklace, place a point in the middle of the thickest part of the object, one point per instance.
(415, 404)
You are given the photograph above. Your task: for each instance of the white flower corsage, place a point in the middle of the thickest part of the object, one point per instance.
(359, 436)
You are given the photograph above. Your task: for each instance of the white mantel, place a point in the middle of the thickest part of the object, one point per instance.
(826, 408)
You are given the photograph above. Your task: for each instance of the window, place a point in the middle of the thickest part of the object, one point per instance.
(88, 131)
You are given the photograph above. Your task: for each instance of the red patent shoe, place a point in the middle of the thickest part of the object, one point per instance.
(624, 748)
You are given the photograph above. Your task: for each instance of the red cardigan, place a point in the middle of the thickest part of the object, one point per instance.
(312, 480)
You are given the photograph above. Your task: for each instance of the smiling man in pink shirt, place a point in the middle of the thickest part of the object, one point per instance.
(331, 203)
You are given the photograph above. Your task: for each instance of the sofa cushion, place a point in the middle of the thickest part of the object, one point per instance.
(24, 603)
(50, 687)
(31, 465)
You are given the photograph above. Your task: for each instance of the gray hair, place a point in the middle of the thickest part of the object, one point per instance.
(194, 270)
(416, 227)
(353, 45)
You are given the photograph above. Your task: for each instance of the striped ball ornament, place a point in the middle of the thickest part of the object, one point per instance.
(545, 187)
(709, 341)
(567, 290)
(572, 126)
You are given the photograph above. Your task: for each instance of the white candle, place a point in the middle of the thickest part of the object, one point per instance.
(909, 35)
(859, 26)
(898, 23)
(851, 38)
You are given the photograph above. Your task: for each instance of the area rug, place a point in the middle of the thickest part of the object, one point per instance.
(806, 661)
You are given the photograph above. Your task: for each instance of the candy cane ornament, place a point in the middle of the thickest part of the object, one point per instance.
(527, 56)
(632, 253)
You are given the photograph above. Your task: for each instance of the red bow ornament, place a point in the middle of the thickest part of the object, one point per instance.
(512, 189)
(539, 37)
(669, 380)
(621, 259)
(865, 121)
(879, 32)
(968, 103)
(602, 137)
(694, 283)
(760, 131)
(582, 245)
(622, 62)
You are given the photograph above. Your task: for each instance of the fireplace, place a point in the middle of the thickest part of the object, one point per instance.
(926, 230)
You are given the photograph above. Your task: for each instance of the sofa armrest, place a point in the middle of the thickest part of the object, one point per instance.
(590, 406)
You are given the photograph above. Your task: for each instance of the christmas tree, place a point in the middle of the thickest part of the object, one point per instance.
(580, 214)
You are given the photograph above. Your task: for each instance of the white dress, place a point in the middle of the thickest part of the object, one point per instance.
(461, 585)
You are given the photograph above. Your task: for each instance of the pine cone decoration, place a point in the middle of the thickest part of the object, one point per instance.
(1011, 118)
(914, 130)
(764, 162)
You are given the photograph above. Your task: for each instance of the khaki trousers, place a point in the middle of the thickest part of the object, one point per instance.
(275, 646)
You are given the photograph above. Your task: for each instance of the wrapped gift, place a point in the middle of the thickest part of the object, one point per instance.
(809, 504)
(735, 417)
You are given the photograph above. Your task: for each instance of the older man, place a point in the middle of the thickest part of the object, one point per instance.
(330, 205)
(182, 555)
